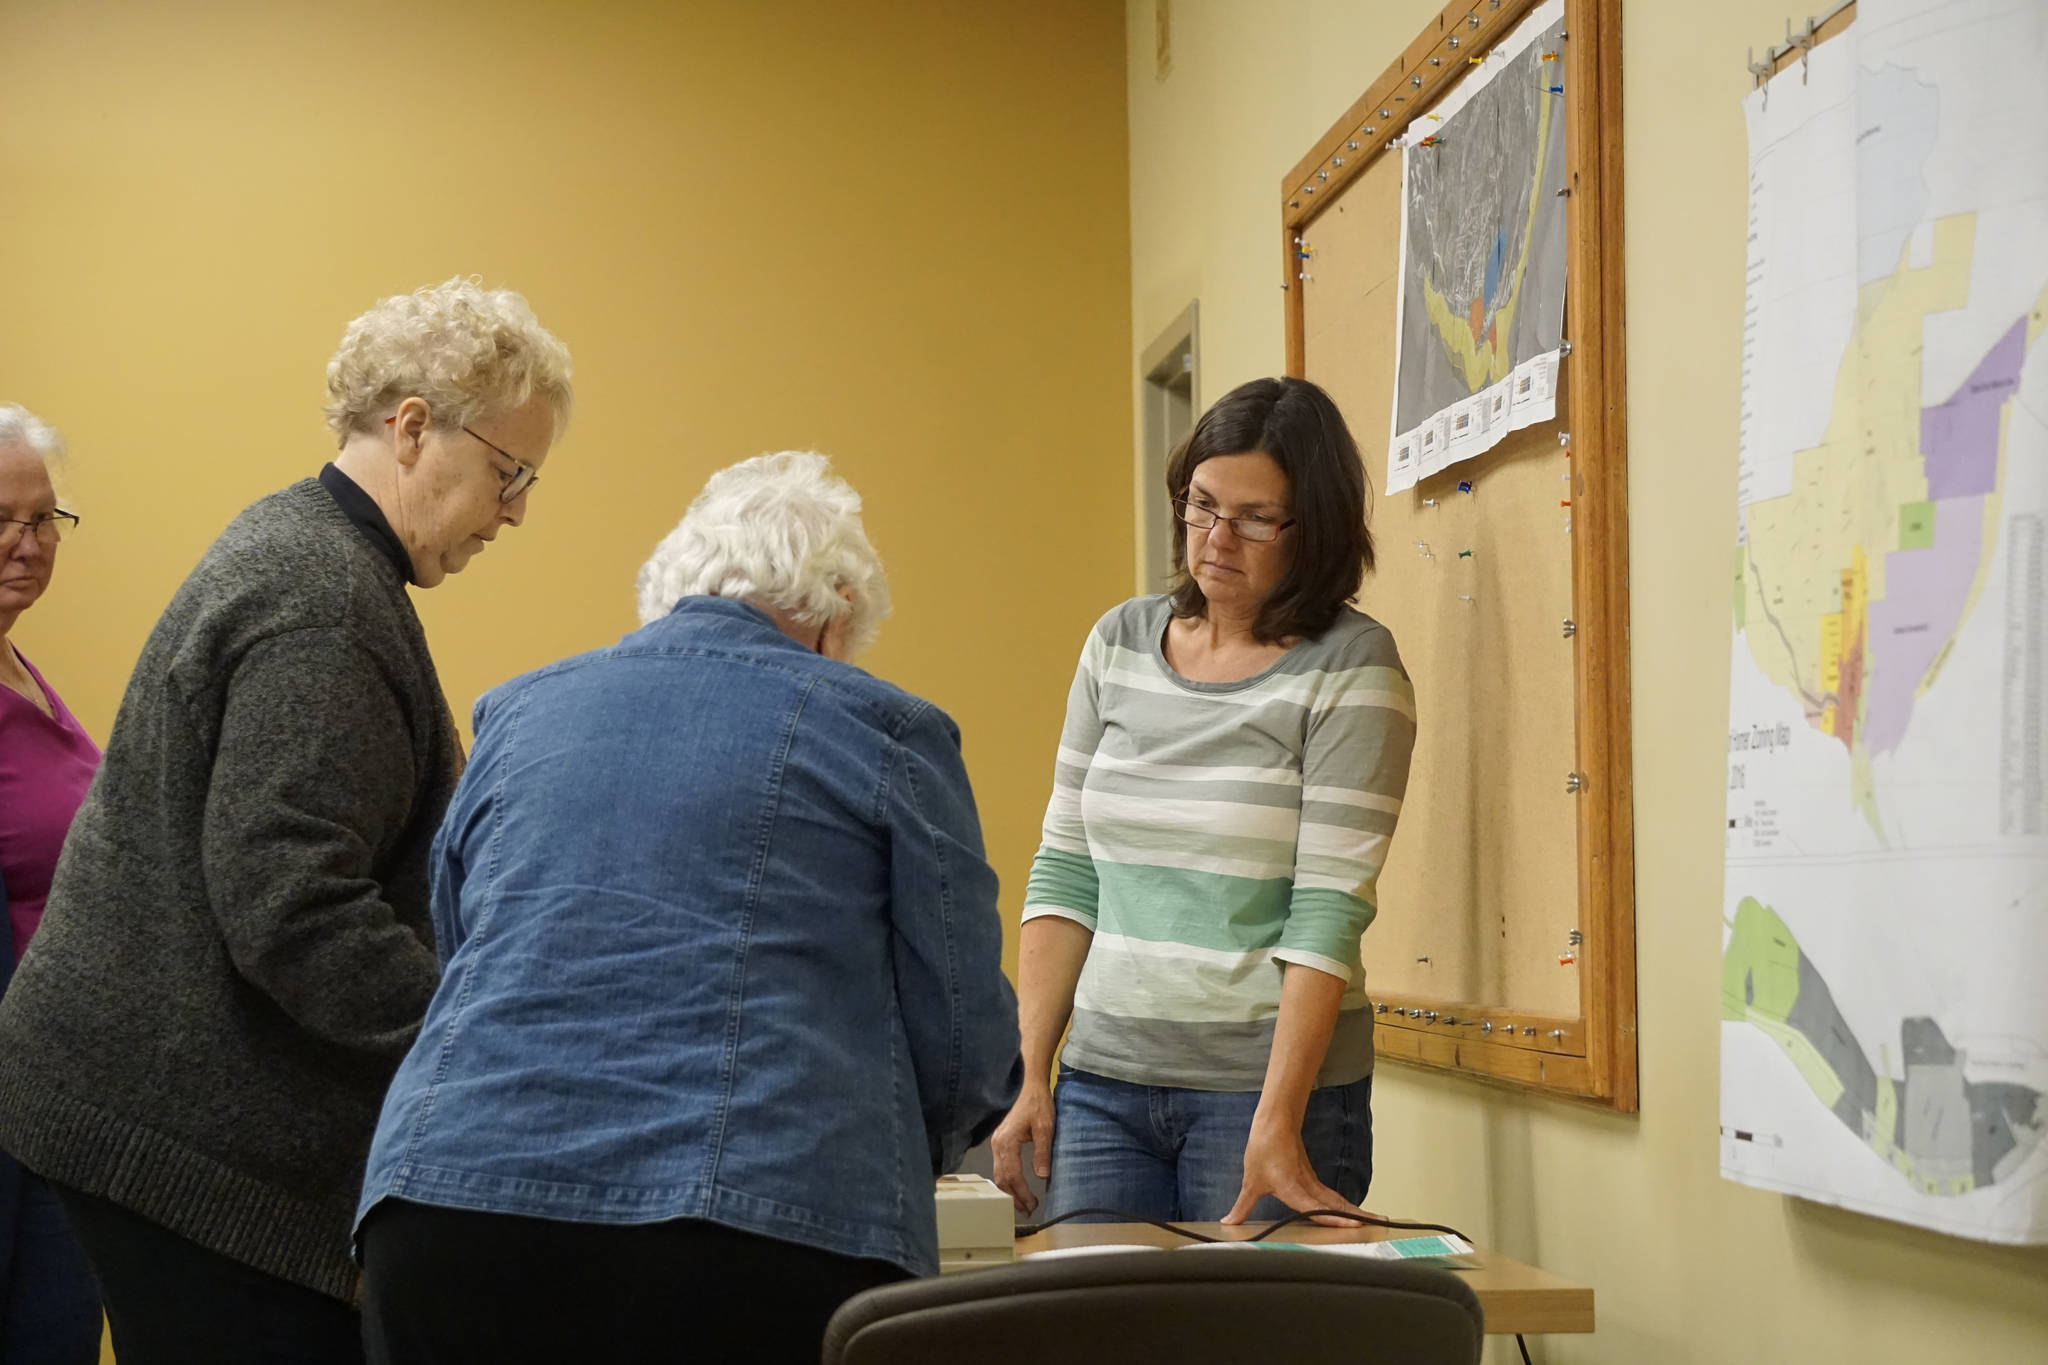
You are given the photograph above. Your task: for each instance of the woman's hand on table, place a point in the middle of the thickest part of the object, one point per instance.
(1276, 1163)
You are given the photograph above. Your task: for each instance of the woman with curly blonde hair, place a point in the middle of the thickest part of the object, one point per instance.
(237, 948)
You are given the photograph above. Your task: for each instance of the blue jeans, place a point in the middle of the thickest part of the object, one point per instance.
(49, 1306)
(1178, 1155)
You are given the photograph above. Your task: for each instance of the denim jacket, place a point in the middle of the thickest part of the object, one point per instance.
(718, 941)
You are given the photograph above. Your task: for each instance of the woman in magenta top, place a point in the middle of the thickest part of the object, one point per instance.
(49, 1309)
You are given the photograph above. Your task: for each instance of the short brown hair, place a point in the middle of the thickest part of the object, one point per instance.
(1294, 423)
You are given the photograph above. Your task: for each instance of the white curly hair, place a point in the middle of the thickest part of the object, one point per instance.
(21, 429)
(779, 529)
(468, 351)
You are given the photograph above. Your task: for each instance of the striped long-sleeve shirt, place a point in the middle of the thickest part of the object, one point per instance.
(1209, 832)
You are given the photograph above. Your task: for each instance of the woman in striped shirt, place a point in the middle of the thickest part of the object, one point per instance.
(1229, 775)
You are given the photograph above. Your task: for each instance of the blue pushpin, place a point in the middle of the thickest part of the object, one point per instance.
(1557, 90)
(1464, 485)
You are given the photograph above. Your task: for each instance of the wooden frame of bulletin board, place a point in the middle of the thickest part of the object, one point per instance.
(1505, 946)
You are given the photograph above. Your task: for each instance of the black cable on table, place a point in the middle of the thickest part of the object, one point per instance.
(1121, 1216)
(1363, 1219)
(1118, 1215)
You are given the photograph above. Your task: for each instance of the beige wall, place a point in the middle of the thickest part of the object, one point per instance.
(1687, 1267)
(892, 231)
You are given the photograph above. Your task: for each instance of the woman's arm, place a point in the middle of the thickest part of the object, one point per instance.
(1275, 1160)
(957, 1007)
(1049, 959)
(312, 775)
(1354, 774)
(1059, 924)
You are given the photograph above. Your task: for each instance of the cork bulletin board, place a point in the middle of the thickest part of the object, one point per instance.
(1505, 946)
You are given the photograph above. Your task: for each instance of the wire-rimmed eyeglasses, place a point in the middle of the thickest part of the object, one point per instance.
(510, 486)
(522, 477)
(48, 528)
(1253, 527)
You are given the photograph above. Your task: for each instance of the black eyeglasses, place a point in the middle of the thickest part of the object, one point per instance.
(522, 477)
(48, 528)
(1254, 527)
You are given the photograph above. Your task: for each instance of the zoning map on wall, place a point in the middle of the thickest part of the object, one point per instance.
(1884, 1038)
(1481, 311)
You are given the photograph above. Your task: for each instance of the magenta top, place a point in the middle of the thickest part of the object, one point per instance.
(45, 766)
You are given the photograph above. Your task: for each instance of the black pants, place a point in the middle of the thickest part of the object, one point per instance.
(172, 1302)
(442, 1286)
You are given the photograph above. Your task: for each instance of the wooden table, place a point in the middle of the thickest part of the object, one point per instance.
(1513, 1297)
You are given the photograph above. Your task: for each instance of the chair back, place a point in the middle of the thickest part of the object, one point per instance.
(1181, 1307)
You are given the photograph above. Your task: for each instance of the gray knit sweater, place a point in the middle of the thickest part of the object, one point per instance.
(237, 949)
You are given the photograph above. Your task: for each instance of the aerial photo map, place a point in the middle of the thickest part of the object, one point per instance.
(1481, 311)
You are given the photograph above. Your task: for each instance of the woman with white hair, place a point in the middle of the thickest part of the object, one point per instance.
(49, 1310)
(722, 992)
(237, 948)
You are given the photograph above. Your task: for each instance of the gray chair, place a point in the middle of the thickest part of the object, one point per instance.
(1179, 1307)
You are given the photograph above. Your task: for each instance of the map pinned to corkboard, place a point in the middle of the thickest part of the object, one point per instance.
(1483, 223)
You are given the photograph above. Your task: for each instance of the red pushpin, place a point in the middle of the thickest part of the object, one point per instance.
(1432, 142)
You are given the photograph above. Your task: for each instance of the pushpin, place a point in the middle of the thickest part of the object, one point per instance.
(1464, 554)
(1466, 598)
(1434, 118)
(1557, 90)
(1564, 502)
(1550, 56)
(1567, 959)
(1464, 485)
(1432, 142)
(1476, 61)
(1429, 502)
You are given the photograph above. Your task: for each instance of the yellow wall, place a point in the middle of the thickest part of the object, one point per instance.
(1687, 1267)
(891, 231)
